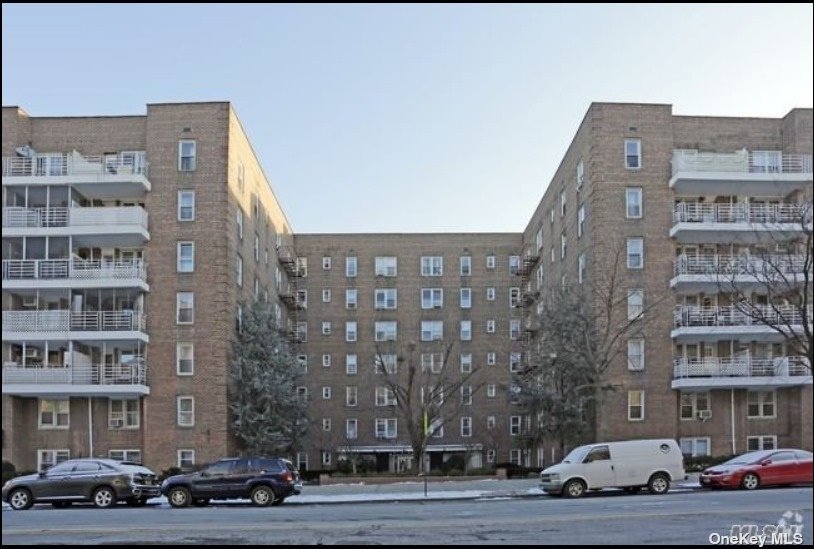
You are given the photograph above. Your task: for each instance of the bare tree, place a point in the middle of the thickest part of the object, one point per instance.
(423, 390)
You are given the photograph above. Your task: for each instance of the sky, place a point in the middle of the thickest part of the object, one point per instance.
(408, 118)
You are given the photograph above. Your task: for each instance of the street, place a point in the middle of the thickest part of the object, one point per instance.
(679, 517)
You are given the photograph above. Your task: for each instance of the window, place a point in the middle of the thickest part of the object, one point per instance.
(514, 264)
(350, 266)
(123, 413)
(351, 428)
(466, 330)
(326, 393)
(563, 246)
(351, 364)
(302, 461)
(490, 294)
(432, 330)
(515, 360)
(466, 363)
(635, 253)
(326, 295)
(514, 329)
(239, 222)
(385, 298)
(491, 390)
(562, 203)
(581, 221)
(551, 216)
(386, 428)
(490, 326)
(432, 298)
(635, 354)
(694, 447)
(184, 307)
(432, 362)
(633, 154)
(538, 239)
(55, 414)
(633, 202)
(185, 259)
(580, 175)
(466, 265)
(239, 271)
(186, 155)
(256, 289)
(695, 406)
(762, 442)
(635, 405)
(515, 425)
(350, 331)
(351, 295)
(241, 176)
(385, 330)
(466, 426)
(184, 359)
(490, 262)
(351, 396)
(761, 404)
(581, 268)
(326, 263)
(186, 459)
(326, 424)
(514, 297)
(186, 205)
(432, 266)
(491, 358)
(302, 362)
(326, 328)
(466, 395)
(491, 422)
(302, 266)
(490, 455)
(466, 298)
(326, 360)
(50, 458)
(302, 393)
(553, 255)
(385, 362)
(256, 248)
(133, 456)
(385, 396)
(186, 411)
(386, 266)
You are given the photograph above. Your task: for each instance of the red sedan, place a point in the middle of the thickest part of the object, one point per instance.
(765, 468)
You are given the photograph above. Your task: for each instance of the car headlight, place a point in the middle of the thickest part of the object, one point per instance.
(553, 477)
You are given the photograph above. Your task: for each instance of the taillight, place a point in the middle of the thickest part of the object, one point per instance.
(288, 477)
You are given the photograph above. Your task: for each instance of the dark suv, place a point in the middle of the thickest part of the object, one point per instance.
(265, 481)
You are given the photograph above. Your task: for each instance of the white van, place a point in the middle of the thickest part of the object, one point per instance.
(629, 464)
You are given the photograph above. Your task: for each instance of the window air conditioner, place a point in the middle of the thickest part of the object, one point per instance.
(704, 415)
(116, 423)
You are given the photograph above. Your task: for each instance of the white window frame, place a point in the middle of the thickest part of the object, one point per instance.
(326, 393)
(635, 351)
(57, 456)
(185, 418)
(183, 196)
(514, 297)
(466, 330)
(180, 461)
(563, 202)
(326, 263)
(581, 268)
(123, 419)
(180, 348)
(490, 293)
(515, 361)
(637, 155)
(762, 402)
(689, 401)
(185, 262)
(351, 396)
(385, 396)
(432, 330)
(632, 244)
(693, 444)
(192, 157)
(466, 363)
(385, 330)
(351, 266)
(514, 329)
(761, 442)
(351, 364)
(635, 304)
(385, 298)
(383, 426)
(631, 406)
(432, 362)
(491, 390)
(581, 221)
(466, 395)
(239, 271)
(432, 298)
(637, 194)
(580, 175)
(515, 425)
(132, 455)
(432, 265)
(491, 422)
(326, 360)
(466, 427)
(326, 295)
(351, 298)
(57, 407)
(465, 298)
(563, 245)
(491, 358)
(491, 262)
(326, 424)
(491, 327)
(386, 266)
(466, 265)
(351, 331)
(179, 298)
(538, 239)
(385, 362)
(351, 434)
(239, 222)
(326, 327)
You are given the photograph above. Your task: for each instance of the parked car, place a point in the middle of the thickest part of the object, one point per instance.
(102, 481)
(631, 464)
(764, 468)
(265, 481)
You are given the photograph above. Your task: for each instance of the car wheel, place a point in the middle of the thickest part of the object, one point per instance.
(179, 497)
(104, 497)
(573, 489)
(262, 496)
(61, 504)
(750, 481)
(201, 502)
(20, 499)
(658, 484)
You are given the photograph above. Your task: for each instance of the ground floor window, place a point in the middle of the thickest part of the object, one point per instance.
(514, 456)
(302, 461)
(326, 459)
(49, 458)
(186, 459)
(125, 455)
(761, 442)
(698, 446)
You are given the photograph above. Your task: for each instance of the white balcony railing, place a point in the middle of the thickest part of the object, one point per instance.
(74, 217)
(52, 165)
(767, 267)
(741, 367)
(131, 373)
(693, 212)
(741, 162)
(63, 321)
(38, 269)
(781, 315)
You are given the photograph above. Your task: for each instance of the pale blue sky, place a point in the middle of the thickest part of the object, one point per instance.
(408, 118)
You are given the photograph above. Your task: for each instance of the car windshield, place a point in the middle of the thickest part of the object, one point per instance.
(576, 455)
(745, 459)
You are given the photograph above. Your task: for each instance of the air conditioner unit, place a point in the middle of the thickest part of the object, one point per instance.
(704, 415)
(115, 423)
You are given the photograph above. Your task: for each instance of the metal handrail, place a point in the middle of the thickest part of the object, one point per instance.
(694, 212)
(739, 264)
(73, 163)
(740, 162)
(130, 373)
(25, 269)
(741, 367)
(688, 316)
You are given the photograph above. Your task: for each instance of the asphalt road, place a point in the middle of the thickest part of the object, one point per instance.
(682, 517)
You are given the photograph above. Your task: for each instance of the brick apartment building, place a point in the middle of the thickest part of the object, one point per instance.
(128, 243)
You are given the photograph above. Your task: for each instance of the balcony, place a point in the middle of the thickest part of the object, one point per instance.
(711, 274)
(288, 259)
(107, 176)
(740, 372)
(123, 226)
(87, 325)
(696, 324)
(527, 264)
(121, 380)
(292, 299)
(73, 273)
(703, 223)
(740, 173)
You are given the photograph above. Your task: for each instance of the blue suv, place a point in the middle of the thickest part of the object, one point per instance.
(265, 481)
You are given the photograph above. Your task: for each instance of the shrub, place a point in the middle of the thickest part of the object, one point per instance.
(9, 471)
(166, 473)
(699, 463)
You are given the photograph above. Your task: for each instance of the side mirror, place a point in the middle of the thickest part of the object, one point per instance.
(766, 462)
(204, 474)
